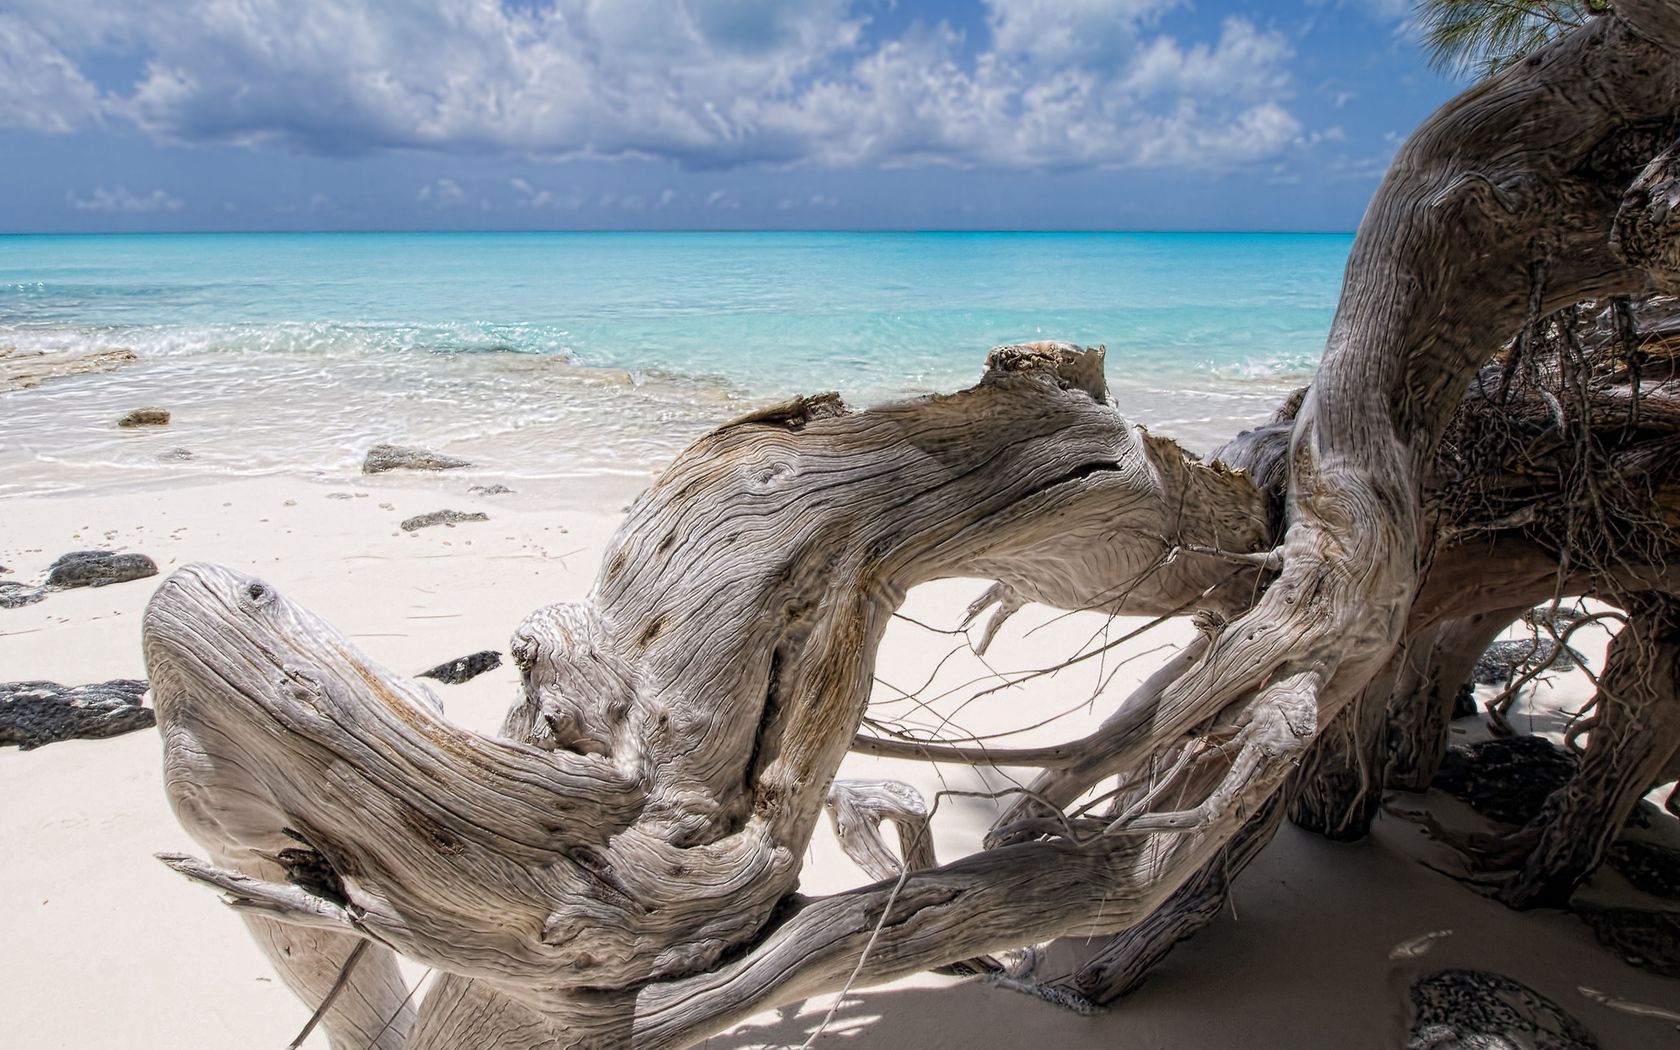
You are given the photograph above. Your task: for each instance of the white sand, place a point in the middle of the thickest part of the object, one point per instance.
(103, 947)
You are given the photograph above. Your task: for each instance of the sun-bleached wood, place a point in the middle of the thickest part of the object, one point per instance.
(620, 867)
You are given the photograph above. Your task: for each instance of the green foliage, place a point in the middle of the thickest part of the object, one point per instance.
(1482, 38)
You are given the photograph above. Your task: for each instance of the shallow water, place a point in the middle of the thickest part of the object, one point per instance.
(564, 355)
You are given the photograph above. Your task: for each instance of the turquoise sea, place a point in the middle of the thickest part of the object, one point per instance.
(556, 355)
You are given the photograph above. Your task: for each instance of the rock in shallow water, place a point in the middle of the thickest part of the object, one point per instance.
(37, 713)
(466, 668)
(145, 417)
(1478, 1010)
(442, 517)
(381, 458)
(99, 568)
(1507, 779)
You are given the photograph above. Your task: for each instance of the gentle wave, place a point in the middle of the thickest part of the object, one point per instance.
(164, 340)
(558, 356)
(292, 404)
(250, 400)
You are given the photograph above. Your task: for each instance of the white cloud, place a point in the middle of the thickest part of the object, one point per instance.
(526, 195)
(705, 83)
(1086, 32)
(123, 199)
(442, 193)
(40, 88)
(1244, 62)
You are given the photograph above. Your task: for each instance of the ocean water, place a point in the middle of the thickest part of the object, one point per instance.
(563, 355)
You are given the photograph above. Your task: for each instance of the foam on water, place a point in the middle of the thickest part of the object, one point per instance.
(552, 356)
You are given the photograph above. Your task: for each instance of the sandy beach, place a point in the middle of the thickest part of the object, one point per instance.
(106, 947)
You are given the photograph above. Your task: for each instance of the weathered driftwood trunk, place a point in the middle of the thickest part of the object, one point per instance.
(1638, 730)
(619, 868)
(1419, 724)
(1122, 964)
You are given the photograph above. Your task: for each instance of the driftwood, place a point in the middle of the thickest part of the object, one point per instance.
(1638, 730)
(619, 868)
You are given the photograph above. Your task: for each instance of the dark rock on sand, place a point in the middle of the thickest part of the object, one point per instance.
(145, 417)
(442, 517)
(1507, 779)
(381, 458)
(1506, 660)
(1464, 703)
(466, 668)
(37, 713)
(1478, 1010)
(1639, 937)
(1561, 619)
(1649, 868)
(497, 489)
(98, 568)
(14, 595)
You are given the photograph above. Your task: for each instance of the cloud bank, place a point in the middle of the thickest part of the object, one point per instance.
(123, 199)
(708, 84)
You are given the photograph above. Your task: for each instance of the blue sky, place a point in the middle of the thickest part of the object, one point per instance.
(120, 115)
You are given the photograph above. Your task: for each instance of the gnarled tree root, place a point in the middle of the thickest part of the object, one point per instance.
(619, 868)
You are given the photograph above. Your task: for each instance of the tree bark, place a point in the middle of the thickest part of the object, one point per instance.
(1638, 729)
(1419, 722)
(1121, 965)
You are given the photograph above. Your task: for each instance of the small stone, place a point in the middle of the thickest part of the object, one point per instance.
(496, 489)
(37, 713)
(339, 495)
(1478, 1010)
(98, 568)
(381, 458)
(145, 417)
(14, 595)
(441, 517)
(175, 455)
(466, 668)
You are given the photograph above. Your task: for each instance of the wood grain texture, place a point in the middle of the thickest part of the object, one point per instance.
(620, 867)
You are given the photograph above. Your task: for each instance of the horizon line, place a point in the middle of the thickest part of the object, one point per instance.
(685, 230)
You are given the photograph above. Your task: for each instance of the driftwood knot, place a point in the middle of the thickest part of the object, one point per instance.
(1072, 367)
